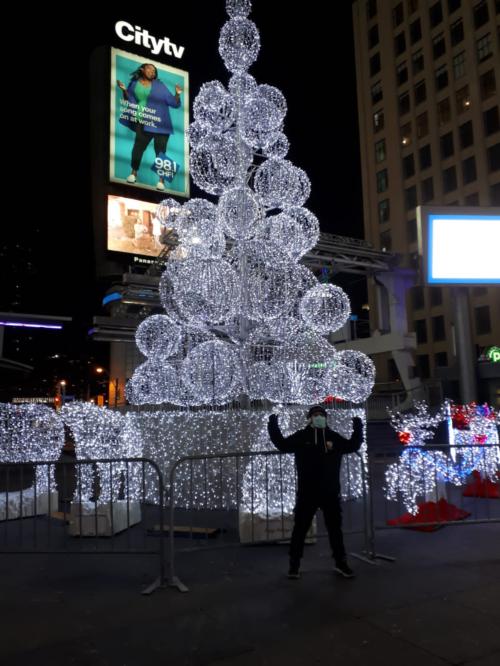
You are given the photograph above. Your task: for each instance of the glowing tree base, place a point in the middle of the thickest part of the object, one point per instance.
(441, 512)
(22, 505)
(480, 487)
(103, 519)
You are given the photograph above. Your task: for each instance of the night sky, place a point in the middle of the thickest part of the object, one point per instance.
(304, 51)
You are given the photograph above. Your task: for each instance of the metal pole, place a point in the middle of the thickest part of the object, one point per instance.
(465, 358)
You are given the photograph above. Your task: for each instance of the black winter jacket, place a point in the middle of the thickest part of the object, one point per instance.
(318, 455)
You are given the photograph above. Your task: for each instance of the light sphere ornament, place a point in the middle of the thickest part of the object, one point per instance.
(239, 44)
(238, 7)
(168, 213)
(231, 157)
(240, 213)
(295, 230)
(279, 147)
(213, 107)
(153, 382)
(242, 85)
(354, 376)
(275, 97)
(206, 291)
(197, 134)
(206, 173)
(271, 290)
(212, 371)
(199, 233)
(158, 336)
(280, 184)
(325, 308)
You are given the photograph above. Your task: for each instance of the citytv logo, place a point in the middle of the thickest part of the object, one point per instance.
(141, 37)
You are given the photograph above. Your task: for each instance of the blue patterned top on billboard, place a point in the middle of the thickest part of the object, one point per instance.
(149, 111)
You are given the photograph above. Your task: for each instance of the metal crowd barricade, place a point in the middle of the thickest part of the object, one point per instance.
(460, 485)
(94, 507)
(222, 500)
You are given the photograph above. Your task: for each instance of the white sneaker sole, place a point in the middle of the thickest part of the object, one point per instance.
(343, 573)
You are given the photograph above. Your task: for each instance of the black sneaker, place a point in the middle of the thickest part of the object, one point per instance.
(344, 569)
(293, 571)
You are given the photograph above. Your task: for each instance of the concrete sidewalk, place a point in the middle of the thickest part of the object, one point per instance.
(438, 604)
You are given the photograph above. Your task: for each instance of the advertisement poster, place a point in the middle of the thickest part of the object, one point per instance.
(149, 118)
(133, 227)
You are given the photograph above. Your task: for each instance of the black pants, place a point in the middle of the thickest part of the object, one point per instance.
(142, 141)
(305, 510)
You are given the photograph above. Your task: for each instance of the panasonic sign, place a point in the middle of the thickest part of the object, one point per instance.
(141, 37)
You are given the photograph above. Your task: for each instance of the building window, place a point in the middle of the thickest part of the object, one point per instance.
(373, 37)
(495, 194)
(402, 73)
(484, 47)
(441, 360)
(425, 157)
(422, 123)
(382, 180)
(457, 32)
(438, 329)
(377, 93)
(441, 77)
(406, 134)
(487, 84)
(435, 14)
(417, 61)
(418, 298)
(392, 371)
(411, 230)
(371, 8)
(438, 45)
(380, 151)
(423, 369)
(404, 103)
(421, 331)
(378, 120)
(453, 5)
(494, 158)
(386, 241)
(375, 64)
(415, 31)
(420, 92)
(446, 144)
(481, 15)
(459, 65)
(410, 197)
(466, 134)
(427, 189)
(472, 199)
(463, 99)
(449, 179)
(482, 317)
(383, 211)
(399, 43)
(408, 166)
(491, 121)
(469, 174)
(436, 296)
(444, 111)
(397, 15)
(412, 6)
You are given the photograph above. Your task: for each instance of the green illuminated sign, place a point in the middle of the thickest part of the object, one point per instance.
(493, 354)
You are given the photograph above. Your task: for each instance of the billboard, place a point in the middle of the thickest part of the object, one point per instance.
(149, 118)
(133, 227)
(459, 245)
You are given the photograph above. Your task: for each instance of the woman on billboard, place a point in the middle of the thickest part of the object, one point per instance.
(148, 115)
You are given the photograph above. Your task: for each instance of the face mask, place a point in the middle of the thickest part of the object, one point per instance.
(318, 421)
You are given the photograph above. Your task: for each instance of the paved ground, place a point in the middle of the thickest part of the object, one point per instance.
(438, 604)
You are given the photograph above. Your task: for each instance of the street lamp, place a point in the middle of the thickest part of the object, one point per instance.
(114, 382)
(63, 390)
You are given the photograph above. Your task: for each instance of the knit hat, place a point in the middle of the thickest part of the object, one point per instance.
(316, 408)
